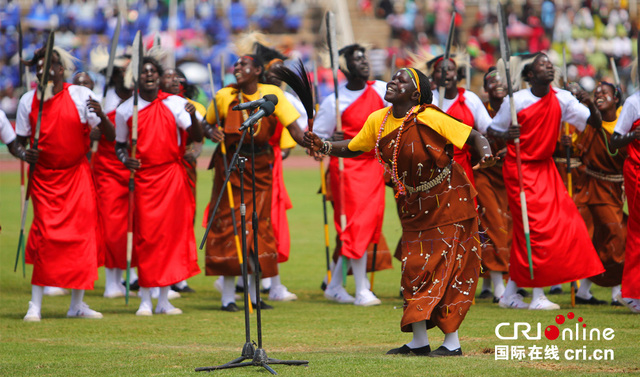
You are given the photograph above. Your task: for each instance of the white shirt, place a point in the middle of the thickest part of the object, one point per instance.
(481, 116)
(324, 124)
(573, 112)
(302, 120)
(7, 135)
(111, 101)
(79, 94)
(125, 111)
(629, 114)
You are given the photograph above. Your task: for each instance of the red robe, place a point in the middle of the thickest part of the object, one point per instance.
(363, 183)
(631, 171)
(461, 112)
(112, 179)
(562, 250)
(64, 237)
(163, 238)
(280, 201)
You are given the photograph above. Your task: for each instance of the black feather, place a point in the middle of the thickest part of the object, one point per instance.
(298, 82)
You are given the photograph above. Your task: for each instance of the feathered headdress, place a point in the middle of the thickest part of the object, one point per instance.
(517, 65)
(299, 82)
(99, 59)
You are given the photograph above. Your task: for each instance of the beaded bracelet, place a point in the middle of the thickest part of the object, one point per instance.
(326, 148)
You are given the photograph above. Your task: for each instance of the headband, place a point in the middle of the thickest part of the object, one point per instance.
(414, 78)
(272, 62)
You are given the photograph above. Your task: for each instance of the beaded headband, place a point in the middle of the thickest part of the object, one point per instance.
(414, 77)
(272, 62)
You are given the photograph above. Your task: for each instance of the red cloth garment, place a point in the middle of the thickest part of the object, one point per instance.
(562, 250)
(112, 180)
(631, 171)
(461, 112)
(363, 183)
(163, 238)
(280, 201)
(64, 237)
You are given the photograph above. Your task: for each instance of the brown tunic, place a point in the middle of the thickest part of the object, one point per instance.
(599, 198)
(440, 239)
(493, 210)
(221, 254)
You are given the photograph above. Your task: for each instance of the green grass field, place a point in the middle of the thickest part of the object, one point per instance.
(337, 340)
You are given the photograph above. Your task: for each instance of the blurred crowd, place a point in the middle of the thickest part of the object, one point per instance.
(593, 34)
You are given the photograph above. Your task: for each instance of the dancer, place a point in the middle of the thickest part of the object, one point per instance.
(440, 240)
(557, 230)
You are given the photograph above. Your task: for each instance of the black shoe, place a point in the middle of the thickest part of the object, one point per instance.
(263, 305)
(232, 307)
(556, 291)
(185, 289)
(615, 303)
(591, 301)
(496, 300)
(485, 294)
(442, 351)
(323, 286)
(239, 289)
(265, 291)
(524, 293)
(132, 286)
(405, 350)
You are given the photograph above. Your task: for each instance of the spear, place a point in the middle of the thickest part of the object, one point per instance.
(333, 50)
(504, 52)
(323, 181)
(136, 64)
(107, 79)
(22, 187)
(42, 85)
(447, 55)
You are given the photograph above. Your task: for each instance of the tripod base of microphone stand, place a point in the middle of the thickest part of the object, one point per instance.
(259, 359)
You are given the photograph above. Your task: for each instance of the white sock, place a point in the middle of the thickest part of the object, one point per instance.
(163, 297)
(181, 284)
(274, 283)
(132, 275)
(117, 275)
(76, 297)
(615, 291)
(420, 337)
(510, 289)
(556, 286)
(359, 269)
(145, 298)
(336, 275)
(252, 289)
(537, 294)
(240, 281)
(584, 290)
(498, 283)
(37, 291)
(451, 341)
(228, 290)
(267, 283)
(486, 284)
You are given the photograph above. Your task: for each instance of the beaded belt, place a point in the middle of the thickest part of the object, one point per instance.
(604, 176)
(575, 162)
(432, 183)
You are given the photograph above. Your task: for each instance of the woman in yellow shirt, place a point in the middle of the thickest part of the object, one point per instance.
(440, 243)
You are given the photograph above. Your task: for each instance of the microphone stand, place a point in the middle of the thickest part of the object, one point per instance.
(257, 356)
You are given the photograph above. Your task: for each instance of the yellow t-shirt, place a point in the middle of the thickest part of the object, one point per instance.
(286, 141)
(609, 126)
(285, 112)
(199, 107)
(454, 131)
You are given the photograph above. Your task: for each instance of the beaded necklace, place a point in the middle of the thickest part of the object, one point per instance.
(244, 111)
(394, 163)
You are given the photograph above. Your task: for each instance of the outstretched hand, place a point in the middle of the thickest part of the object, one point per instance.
(312, 141)
(486, 162)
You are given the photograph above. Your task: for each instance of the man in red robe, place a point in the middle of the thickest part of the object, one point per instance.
(627, 133)
(163, 239)
(560, 244)
(63, 243)
(362, 178)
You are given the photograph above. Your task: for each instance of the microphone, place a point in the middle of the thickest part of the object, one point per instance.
(257, 103)
(266, 109)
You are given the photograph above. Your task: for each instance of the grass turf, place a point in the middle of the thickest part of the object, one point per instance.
(337, 340)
